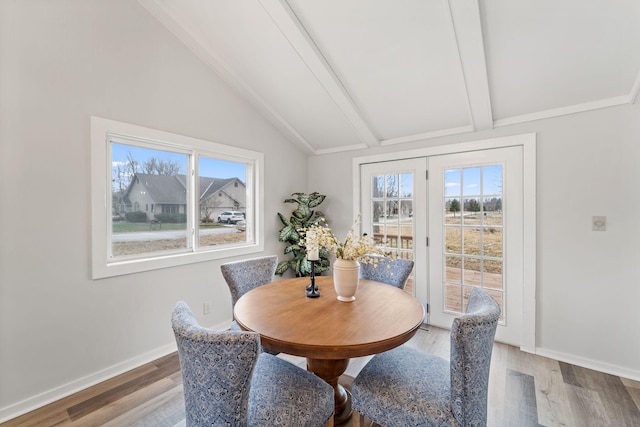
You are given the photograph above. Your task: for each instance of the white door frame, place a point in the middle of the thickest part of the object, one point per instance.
(528, 143)
(416, 166)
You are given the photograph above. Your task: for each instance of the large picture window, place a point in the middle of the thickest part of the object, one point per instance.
(161, 199)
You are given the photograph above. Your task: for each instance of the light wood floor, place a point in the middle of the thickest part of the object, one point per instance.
(524, 390)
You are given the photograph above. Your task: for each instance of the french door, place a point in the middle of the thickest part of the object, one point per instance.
(393, 209)
(463, 227)
(476, 232)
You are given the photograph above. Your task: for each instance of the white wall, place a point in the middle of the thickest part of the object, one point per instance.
(60, 63)
(63, 61)
(588, 286)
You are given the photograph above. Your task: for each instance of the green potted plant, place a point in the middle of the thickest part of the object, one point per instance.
(301, 218)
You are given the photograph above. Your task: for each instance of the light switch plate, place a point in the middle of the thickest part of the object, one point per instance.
(599, 223)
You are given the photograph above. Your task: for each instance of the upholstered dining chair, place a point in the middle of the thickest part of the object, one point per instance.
(229, 382)
(394, 272)
(405, 386)
(245, 275)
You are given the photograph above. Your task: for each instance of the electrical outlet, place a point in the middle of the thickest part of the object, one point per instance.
(599, 223)
(206, 307)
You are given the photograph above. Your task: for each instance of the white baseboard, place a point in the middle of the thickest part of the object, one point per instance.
(19, 408)
(590, 364)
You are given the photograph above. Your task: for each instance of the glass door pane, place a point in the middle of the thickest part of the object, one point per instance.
(393, 198)
(473, 231)
(392, 212)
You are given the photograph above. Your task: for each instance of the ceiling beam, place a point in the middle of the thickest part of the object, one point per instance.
(466, 24)
(293, 30)
(170, 16)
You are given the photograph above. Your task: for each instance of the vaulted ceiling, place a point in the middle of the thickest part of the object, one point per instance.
(337, 75)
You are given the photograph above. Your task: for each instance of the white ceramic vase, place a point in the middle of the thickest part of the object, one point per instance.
(346, 276)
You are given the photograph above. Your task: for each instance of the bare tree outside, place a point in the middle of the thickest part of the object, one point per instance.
(155, 166)
(207, 207)
(392, 186)
(132, 164)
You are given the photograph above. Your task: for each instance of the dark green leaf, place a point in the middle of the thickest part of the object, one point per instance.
(304, 268)
(282, 267)
(302, 212)
(284, 220)
(321, 269)
(286, 233)
(316, 199)
(319, 216)
(291, 248)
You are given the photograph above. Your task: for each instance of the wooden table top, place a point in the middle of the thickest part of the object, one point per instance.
(382, 317)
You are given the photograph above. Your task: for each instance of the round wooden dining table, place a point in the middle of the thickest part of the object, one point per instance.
(326, 331)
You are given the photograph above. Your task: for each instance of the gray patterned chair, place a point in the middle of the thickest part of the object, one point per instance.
(245, 275)
(229, 382)
(394, 272)
(406, 387)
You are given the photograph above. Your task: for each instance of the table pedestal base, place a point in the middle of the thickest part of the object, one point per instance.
(330, 370)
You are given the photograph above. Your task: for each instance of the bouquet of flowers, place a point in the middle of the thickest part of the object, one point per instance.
(354, 247)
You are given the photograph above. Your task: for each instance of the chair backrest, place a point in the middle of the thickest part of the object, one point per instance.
(472, 338)
(394, 272)
(216, 370)
(243, 276)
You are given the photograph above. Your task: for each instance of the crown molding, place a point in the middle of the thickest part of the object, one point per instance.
(427, 135)
(563, 111)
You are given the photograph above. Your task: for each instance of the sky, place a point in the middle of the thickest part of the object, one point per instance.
(208, 167)
(474, 181)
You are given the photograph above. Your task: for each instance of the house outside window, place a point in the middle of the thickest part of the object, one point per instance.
(182, 183)
(173, 209)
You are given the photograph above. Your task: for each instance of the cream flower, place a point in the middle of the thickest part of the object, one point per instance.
(354, 247)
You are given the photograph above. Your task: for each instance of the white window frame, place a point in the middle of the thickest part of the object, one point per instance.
(101, 220)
